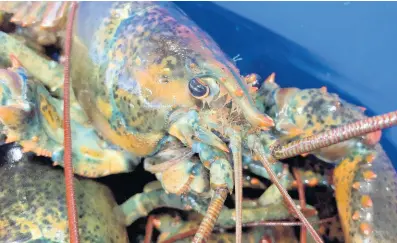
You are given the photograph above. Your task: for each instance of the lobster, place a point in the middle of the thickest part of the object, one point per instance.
(173, 96)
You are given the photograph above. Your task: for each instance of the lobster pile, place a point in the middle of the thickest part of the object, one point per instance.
(147, 84)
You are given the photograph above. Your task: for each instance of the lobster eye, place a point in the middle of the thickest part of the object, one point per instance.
(198, 89)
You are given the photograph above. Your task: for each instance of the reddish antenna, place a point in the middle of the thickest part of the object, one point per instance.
(67, 157)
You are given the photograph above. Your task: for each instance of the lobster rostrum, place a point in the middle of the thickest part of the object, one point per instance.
(157, 102)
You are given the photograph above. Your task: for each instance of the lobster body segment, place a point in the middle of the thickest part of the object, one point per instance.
(147, 82)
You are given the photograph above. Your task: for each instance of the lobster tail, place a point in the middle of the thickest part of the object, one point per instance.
(366, 192)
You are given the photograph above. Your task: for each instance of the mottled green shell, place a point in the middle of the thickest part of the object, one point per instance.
(32, 201)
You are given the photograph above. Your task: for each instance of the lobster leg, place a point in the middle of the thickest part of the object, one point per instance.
(155, 197)
(174, 166)
(141, 204)
(33, 118)
(173, 226)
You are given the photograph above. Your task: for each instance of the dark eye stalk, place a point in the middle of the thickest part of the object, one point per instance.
(198, 89)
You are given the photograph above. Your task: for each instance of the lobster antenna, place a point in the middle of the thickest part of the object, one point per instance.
(262, 155)
(336, 135)
(67, 157)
